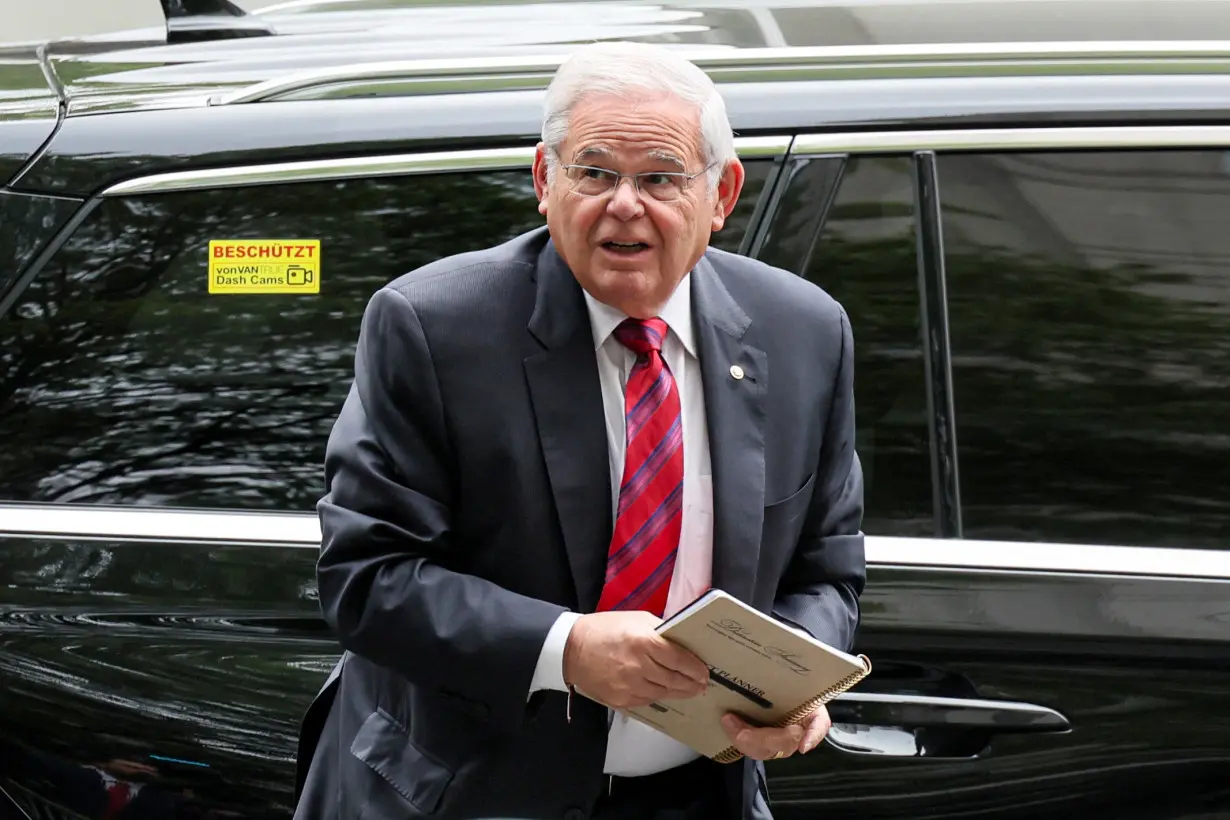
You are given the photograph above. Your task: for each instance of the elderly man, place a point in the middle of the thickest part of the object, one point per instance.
(552, 444)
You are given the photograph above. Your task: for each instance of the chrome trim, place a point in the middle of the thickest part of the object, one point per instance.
(1015, 139)
(1161, 136)
(749, 64)
(138, 523)
(326, 169)
(930, 710)
(487, 159)
(302, 530)
(760, 147)
(1021, 556)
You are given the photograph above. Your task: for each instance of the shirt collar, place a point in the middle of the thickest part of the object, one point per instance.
(677, 313)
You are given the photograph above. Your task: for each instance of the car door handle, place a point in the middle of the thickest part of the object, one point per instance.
(928, 711)
(930, 727)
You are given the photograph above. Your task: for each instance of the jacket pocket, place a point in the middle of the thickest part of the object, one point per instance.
(386, 748)
(803, 493)
(783, 522)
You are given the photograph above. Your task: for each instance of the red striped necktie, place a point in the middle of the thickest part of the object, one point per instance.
(641, 558)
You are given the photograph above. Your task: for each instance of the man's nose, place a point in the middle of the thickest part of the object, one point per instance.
(625, 202)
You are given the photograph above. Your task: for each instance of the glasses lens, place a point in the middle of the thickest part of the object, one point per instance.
(591, 181)
(664, 187)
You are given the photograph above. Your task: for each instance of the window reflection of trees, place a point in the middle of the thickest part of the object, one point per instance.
(865, 258)
(29, 221)
(128, 383)
(1090, 322)
(132, 385)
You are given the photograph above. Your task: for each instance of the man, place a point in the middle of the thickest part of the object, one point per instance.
(551, 444)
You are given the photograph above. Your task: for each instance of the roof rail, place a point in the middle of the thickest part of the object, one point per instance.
(726, 64)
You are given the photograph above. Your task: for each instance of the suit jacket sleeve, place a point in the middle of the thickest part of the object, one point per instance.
(821, 587)
(390, 586)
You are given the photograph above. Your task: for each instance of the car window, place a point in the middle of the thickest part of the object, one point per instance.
(27, 222)
(864, 256)
(127, 382)
(730, 238)
(1090, 326)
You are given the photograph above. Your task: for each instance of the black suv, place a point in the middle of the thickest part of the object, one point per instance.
(1024, 206)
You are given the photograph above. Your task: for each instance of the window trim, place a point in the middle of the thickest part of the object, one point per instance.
(388, 165)
(1107, 138)
(302, 531)
(936, 347)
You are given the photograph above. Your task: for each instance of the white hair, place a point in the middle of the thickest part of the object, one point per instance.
(625, 68)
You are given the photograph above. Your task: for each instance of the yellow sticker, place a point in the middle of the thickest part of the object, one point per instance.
(264, 266)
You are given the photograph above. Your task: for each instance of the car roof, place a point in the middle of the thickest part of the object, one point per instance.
(424, 78)
(140, 70)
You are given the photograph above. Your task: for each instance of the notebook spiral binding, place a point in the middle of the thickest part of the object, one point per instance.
(730, 754)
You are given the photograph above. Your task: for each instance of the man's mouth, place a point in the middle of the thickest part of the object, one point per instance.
(625, 247)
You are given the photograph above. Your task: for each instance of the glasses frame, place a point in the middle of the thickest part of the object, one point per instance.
(635, 179)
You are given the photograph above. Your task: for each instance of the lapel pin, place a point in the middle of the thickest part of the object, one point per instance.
(736, 372)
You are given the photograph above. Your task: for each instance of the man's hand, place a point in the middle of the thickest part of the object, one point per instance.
(617, 659)
(771, 743)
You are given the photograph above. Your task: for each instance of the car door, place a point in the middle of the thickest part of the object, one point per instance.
(1042, 334)
(160, 633)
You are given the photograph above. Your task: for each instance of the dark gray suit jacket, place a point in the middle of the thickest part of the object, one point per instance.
(469, 505)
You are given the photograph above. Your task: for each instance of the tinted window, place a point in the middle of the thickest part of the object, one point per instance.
(756, 172)
(1090, 325)
(27, 221)
(126, 382)
(864, 257)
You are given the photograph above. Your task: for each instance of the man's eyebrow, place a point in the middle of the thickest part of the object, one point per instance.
(598, 152)
(593, 152)
(667, 156)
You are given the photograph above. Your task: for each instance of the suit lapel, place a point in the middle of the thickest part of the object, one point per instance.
(734, 410)
(567, 400)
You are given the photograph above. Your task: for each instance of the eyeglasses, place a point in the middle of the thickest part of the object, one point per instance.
(664, 186)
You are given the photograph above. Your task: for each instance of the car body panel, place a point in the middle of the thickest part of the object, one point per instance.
(190, 659)
(188, 662)
(179, 649)
(29, 109)
(89, 154)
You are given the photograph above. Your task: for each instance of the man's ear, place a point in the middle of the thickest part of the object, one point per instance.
(730, 185)
(540, 177)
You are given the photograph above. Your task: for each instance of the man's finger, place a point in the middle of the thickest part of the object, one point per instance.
(817, 727)
(677, 684)
(762, 743)
(680, 660)
(640, 693)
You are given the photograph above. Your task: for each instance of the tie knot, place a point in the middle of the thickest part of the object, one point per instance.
(641, 336)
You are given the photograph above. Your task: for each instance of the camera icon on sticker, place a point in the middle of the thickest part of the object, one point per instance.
(299, 275)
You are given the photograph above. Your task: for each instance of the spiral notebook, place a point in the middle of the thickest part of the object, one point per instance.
(768, 672)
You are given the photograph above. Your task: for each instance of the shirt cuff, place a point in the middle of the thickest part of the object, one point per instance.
(549, 673)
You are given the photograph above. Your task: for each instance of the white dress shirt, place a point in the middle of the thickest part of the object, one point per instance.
(634, 748)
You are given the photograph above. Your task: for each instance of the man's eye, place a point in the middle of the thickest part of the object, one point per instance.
(659, 179)
(597, 173)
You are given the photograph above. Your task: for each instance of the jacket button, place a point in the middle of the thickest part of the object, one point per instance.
(574, 814)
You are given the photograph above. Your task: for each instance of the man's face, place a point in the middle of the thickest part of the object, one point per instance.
(629, 249)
